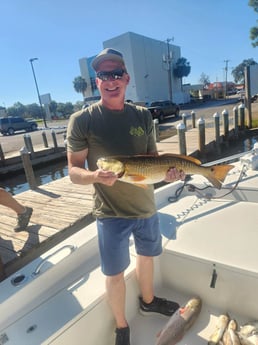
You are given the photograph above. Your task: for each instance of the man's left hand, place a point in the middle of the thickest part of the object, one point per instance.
(173, 175)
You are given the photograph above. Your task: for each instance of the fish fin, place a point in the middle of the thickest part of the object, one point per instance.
(144, 186)
(136, 178)
(188, 158)
(182, 310)
(218, 174)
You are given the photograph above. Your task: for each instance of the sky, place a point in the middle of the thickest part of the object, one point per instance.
(59, 33)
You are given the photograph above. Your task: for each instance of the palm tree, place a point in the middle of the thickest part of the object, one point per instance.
(80, 85)
(182, 68)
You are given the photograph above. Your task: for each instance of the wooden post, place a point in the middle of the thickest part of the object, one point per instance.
(226, 123)
(54, 139)
(65, 140)
(28, 143)
(181, 135)
(25, 138)
(235, 111)
(217, 131)
(44, 137)
(184, 118)
(29, 173)
(193, 119)
(1, 154)
(248, 96)
(241, 108)
(201, 127)
(155, 129)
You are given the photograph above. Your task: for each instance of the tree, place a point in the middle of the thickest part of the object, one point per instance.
(18, 109)
(53, 107)
(34, 110)
(238, 72)
(80, 85)
(182, 68)
(65, 109)
(204, 79)
(254, 29)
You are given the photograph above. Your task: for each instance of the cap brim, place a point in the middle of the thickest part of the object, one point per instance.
(95, 63)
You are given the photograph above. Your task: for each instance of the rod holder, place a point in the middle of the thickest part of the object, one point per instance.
(213, 278)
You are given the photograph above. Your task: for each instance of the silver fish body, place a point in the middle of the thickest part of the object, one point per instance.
(230, 336)
(249, 333)
(221, 326)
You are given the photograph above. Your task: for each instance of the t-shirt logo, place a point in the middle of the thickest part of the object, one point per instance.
(136, 132)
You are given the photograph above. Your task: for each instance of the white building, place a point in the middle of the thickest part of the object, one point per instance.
(148, 62)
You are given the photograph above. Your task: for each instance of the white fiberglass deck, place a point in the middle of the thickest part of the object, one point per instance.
(65, 303)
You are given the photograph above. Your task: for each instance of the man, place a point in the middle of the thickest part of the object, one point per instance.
(107, 128)
(23, 213)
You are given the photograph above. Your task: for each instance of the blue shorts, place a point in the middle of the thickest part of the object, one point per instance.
(114, 234)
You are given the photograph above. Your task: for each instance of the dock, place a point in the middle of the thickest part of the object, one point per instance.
(60, 208)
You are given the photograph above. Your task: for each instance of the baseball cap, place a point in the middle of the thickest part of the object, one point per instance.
(107, 54)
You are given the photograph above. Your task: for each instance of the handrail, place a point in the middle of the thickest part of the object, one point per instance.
(38, 268)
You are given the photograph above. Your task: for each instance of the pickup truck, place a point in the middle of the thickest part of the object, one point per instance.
(162, 109)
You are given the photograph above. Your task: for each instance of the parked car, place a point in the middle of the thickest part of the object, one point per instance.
(161, 109)
(10, 125)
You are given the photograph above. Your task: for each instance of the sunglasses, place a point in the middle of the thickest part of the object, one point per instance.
(111, 75)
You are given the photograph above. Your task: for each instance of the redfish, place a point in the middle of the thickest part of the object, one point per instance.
(180, 322)
(149, 169)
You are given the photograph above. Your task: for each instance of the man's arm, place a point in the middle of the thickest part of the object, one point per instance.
(79, 175)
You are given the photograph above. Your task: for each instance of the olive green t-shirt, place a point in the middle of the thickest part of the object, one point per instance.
(109, 133)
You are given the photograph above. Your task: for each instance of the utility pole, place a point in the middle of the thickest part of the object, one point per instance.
(36, 84)
(226, 71)
(168, 59)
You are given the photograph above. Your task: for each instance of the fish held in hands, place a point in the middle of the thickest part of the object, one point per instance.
(149, 169)
(180, 322)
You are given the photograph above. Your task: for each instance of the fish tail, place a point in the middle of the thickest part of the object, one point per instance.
(217, 174)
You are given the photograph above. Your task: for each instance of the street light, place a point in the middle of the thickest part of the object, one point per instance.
(41, 107)
(168, 59)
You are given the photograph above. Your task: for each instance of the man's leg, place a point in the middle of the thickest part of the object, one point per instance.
(115, 286)
(148, 302)
(144, 273)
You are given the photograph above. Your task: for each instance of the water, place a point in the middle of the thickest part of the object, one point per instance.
(51, 172)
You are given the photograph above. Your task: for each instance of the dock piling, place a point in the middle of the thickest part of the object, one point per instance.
(44, 137)
(181, 136)
(53, 133)
(201, 128)
(29, 173)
